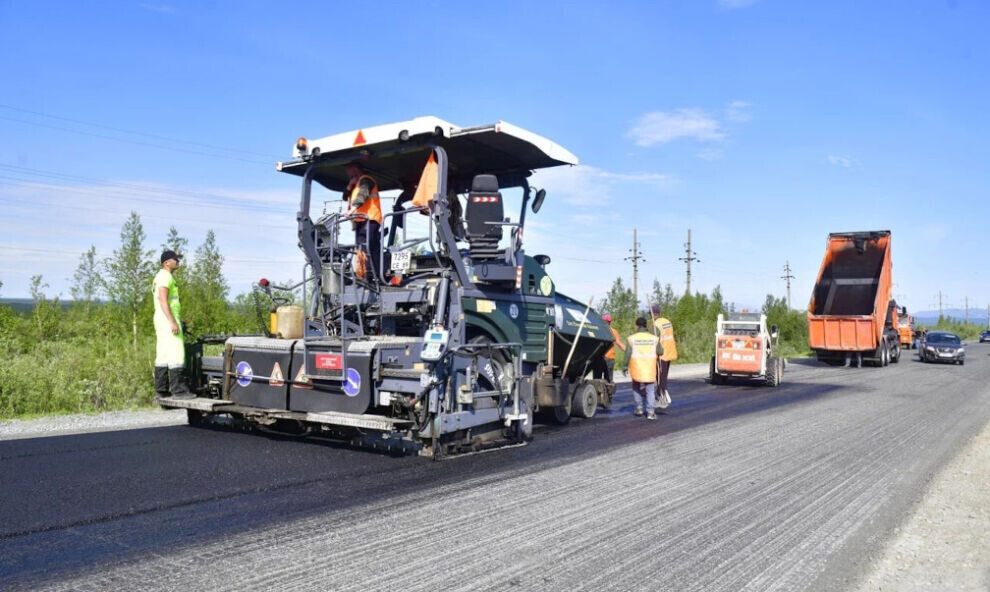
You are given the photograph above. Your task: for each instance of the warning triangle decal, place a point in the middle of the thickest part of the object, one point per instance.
(359, 138)
(301, 380)
(277, 379)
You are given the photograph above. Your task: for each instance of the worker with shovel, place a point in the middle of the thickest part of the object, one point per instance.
(665, 330)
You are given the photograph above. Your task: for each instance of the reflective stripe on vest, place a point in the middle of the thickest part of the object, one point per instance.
(371, 209)
(666, 329)
(643, 357)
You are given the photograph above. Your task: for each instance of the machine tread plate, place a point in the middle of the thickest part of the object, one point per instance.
(354, 420)
(197, 403)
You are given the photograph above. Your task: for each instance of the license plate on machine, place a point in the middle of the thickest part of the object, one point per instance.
(401, 261)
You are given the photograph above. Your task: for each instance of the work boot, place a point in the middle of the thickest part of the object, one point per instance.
(177, 385)
(161, 381)
(638, 412)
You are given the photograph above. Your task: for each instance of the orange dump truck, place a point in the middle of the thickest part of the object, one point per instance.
(905, 328)
(851, 317)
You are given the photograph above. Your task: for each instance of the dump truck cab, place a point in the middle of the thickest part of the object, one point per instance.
(745, 348)
(450, 337)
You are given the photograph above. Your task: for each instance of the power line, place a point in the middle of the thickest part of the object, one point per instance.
(135, 142)
(636, 257)
(136, 133)
(787, 276)
(689, 256)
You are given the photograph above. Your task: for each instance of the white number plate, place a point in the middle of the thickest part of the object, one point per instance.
(401, 261)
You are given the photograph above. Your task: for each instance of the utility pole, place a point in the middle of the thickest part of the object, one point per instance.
(689, 256)
(636, 257)
(940, 305)
(967, 310)
(787, 276)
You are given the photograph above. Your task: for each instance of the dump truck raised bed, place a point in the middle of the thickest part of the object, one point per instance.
(454, 341)
(745, 348)
(851, 316)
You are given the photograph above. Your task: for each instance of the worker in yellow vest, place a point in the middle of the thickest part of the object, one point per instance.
(665, 330)
(641, 363)
(364, 208)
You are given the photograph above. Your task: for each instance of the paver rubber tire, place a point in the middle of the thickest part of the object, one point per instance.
(773, 372)
(584, 403)
(714, 377)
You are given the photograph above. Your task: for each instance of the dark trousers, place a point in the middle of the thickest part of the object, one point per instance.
(604, 369)
(662, 378)
(369, 239)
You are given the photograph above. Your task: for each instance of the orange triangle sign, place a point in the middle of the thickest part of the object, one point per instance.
(359, 138)
(277, 379)
(301, 380)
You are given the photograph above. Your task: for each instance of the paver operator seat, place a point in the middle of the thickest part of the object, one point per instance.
(484, 214)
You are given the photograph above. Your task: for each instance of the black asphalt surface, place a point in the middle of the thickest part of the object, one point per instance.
(739, 487)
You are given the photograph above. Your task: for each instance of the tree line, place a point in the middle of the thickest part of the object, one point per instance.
(694, 317)
(98, 352)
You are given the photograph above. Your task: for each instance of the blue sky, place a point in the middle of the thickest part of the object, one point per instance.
(761, 125)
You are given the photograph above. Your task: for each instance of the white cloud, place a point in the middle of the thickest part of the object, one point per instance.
(660, 127)
(710, 153)
(736, 3)
(585, 185)
(842, 161)
(738, 112)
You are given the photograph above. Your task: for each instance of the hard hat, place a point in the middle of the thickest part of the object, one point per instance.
(607, 318)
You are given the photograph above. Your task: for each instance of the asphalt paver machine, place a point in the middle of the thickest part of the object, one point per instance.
(455, 341)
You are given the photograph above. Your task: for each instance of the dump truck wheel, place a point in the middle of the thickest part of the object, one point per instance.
(897, 354)
(585, 401)
(561, 415)
(773, 372)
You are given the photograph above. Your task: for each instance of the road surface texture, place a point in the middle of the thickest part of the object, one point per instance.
(739, 487)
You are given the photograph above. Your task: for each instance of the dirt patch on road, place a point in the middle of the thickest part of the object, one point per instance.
(945, 545)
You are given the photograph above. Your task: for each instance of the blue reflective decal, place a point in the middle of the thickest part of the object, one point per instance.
(244, 373)
(352, 386)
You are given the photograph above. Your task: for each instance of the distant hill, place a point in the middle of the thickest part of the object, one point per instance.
(976, 315)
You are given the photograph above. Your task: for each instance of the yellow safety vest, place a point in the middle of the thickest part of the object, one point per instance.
(371, 209)
(643, 357)
(666, 329)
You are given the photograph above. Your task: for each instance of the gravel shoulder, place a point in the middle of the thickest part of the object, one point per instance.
(945, 544)
(63, 425)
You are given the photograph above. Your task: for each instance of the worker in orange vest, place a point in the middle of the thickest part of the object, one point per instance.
(665, 330)
(364, 208)
(608, 371)
(641, 363)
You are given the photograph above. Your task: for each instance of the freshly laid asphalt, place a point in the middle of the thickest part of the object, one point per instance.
(739, 487)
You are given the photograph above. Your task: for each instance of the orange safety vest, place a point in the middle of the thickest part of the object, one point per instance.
(610, 354)
(643, 357)
(666, 329)
(429, 181)
(371, 209)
